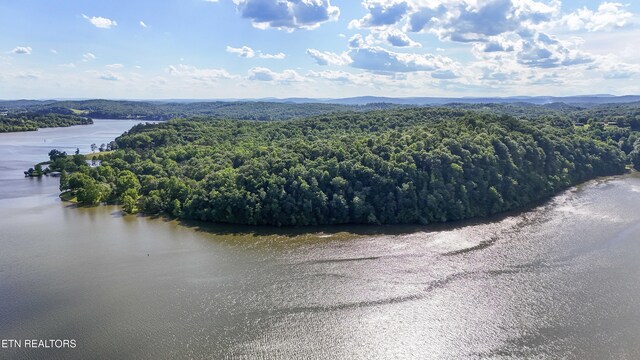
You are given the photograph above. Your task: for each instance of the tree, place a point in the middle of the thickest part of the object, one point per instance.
(103, 147)
(38, 170)
(93, 147)
(634, 156)
(127, 180)
(76, 180)
(129, 201)
(89, 194)
(56, 154)
(64, 179)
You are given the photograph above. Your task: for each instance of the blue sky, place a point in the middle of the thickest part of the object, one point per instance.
(316, 48)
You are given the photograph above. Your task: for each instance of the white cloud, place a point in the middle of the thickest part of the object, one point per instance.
(88, 57)
(188, 72)
(142, 23)
(53, 51)
(249, 53)
(395, 37)
(114, 66)
(278, 56)
(109, 76)
(356, 41)
(365, 79)
(378, 59)
(608, 16)
(22, 50)
(264, 74)
(547, 51)
(381, 13)
(100, 22)
(244, 51)
(287, 14)
(473, 21)
(328, 58)
(612, 68)
(68, 65)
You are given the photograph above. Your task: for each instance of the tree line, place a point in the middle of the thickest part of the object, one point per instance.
(33, 121)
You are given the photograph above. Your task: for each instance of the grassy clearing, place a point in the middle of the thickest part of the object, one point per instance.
(79, 112)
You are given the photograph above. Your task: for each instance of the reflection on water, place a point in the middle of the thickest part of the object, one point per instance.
(560, 281)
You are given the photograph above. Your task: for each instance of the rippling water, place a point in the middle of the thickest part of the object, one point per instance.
(559, 281)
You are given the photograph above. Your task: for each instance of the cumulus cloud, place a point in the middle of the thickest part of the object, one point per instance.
(100, 22)
(496, 46)
(88, 57)
(108, 76)
(22, 50)
(397, 38)
(388, 36)
(287, 14)
(142, 23)
(328, 58)
(264, 74)
(513, 30)
(114, 66)
(244, 51)
(278, 56)
(472, 21)
(382, 60)
(196, 74)
(381, 13)
(546, 51)
(607, 17)
(356, 41)
(249, 53)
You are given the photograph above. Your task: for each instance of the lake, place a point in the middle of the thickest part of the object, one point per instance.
(559, 281)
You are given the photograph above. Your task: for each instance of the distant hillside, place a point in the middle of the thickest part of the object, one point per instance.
(262, 111)
(15, 104)
(296, 108)
(424, 101)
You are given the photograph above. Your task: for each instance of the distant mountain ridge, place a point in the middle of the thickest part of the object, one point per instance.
(595, 99)
(424, 101)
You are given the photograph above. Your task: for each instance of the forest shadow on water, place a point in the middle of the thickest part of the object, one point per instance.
(358, 230)
(355, 230)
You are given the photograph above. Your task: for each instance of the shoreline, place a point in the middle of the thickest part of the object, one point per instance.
(362, 229)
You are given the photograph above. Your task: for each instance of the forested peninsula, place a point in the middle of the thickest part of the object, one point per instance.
(34, 121)
(408, 166)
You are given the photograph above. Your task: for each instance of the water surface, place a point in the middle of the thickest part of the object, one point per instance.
(559, 281)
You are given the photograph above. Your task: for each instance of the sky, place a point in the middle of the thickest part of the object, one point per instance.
(226, 49)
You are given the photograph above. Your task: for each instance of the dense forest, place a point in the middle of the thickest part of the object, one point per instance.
(416, 165)
(145, 110)
(33, 121)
